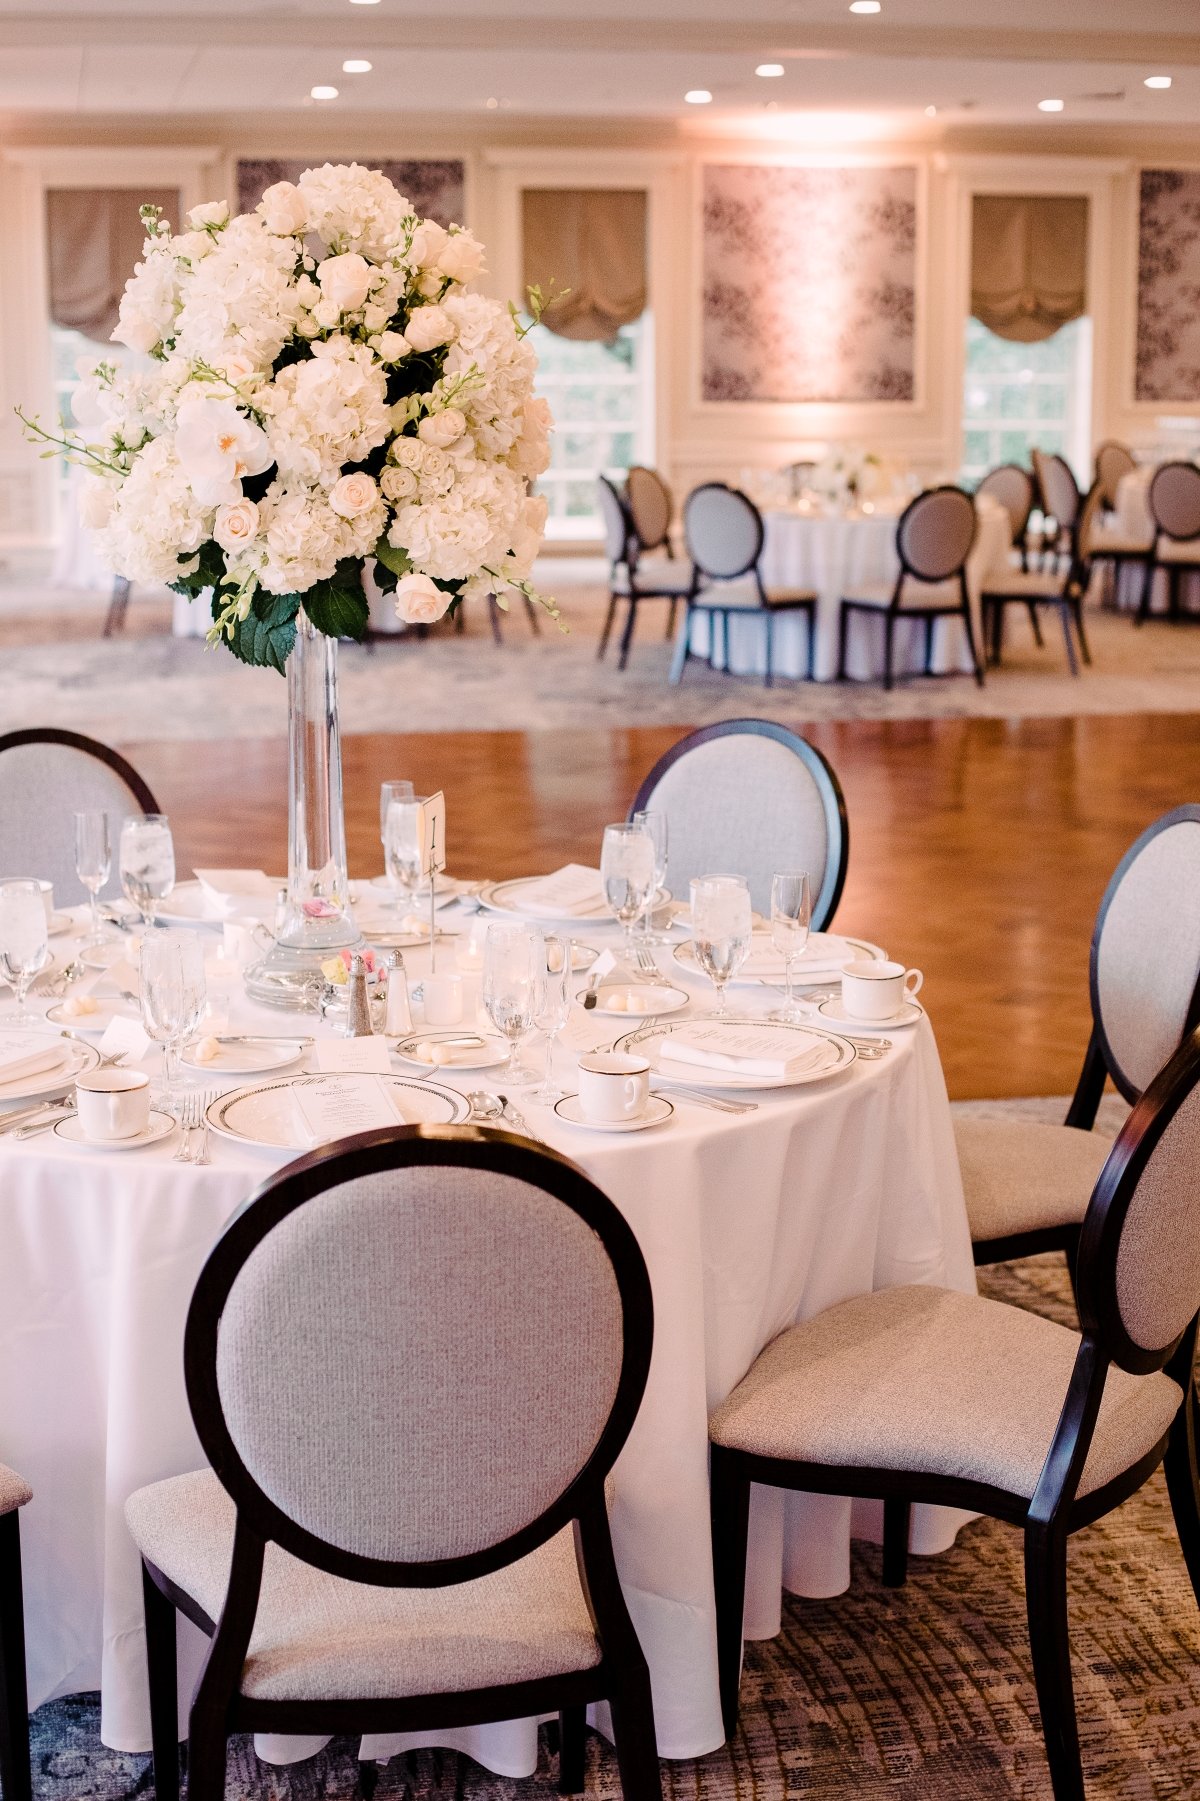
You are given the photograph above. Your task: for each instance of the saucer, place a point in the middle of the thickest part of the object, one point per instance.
(161, 1126)
(60, 923)
(658, 1110)
(835, 1012)
(636, 1000)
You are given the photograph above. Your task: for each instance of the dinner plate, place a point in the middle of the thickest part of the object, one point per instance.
(658, 1111)
(836, 1014)
(103, 956)
(449, 889)
(251, 1057)
(506, 897)
(77, 1060)
(262, 1115)
(493, 1051)
(648, 1043)
(653, 998)
(821, 962)
(60, 923)
(97, 1022)
(161, 1126)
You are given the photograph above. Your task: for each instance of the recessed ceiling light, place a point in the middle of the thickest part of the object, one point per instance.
(769, 69)
(931, 112)
(323, 93)
(364, 2)
(1157, 81)
(491, 105)
(1050, 106)
(866, 6)
(357, 65)
(697, 96)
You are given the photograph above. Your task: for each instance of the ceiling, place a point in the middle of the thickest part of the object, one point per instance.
(613, 59)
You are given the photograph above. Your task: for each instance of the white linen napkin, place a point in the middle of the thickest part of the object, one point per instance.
(824, 955)
(572, 892)
(747, 1050)
(225, 890)
(25, 1054)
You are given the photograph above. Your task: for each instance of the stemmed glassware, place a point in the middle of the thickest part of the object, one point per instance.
(147, 862)
(627, 871)
(722, 922)
(403, 844)
(791, 917)
(389, 792)
(553, 1012)
(514, 973)
(93, 864)
(24, 943)
(655, 822)
(173, 996)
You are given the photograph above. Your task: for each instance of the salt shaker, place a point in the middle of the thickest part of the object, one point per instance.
(358, 1006)
(397, 1019)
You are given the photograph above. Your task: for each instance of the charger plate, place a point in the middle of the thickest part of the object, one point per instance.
(262, 1115)
(649, 1042)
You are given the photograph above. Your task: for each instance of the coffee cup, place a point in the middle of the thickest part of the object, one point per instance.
(878, 990)
(613, 1086)
(113, 1103)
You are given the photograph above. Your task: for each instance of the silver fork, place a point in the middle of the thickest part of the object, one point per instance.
(643, 956)
(187, 1125)
(205, 1102)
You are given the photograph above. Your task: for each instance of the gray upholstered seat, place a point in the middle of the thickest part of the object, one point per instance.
(43, 784)
(1019, 1176)
(928, 1379)
(661, 576)
(319, 1635)
(14, 1491)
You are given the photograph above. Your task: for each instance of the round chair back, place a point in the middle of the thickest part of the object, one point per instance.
(1113, 460)
(1013, 487)
(723, 531)
(46, 776)
(1058, 491)
(650, 506)
(935, 533)
(1174, 499)
(615, 521)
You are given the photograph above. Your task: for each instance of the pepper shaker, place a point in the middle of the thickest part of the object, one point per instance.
(358, 1006)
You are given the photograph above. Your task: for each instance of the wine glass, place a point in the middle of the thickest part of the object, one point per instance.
(514, 970)
(722, 922)
(654, 822)
(93, 863)
(147, 862)
(173, 996)
(24, 943)
(791, 917)
(404, 845)
(627, 871)
(388, 792)
(554, 1011)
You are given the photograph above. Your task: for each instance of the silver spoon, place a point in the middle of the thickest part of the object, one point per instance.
(485, 1106)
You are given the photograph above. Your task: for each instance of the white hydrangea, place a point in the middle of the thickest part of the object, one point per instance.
(326, 411)
(156, 524)
(352, 208)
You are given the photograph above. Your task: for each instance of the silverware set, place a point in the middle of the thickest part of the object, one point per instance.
(193, 1117)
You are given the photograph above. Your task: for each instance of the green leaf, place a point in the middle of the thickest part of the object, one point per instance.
(391, 558)
(207, 574)
(338, 607)
(266, 636)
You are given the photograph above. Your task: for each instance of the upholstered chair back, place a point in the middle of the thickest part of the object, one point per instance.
(614, 519)
(1089, 522)
(936, 532)
(1175, 500)
(1012, 487)
(650, 506)
(1058, 490)
(723, 531)
(45, 779)
(1113, 460)
(751, 798)
(1146, 950)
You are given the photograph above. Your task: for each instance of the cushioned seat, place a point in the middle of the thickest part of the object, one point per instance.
(1106, 541)
(655, 575)
(317, 1635)
(14, 1492)
(914, 593)
(1025, 584)
(927, 1379)
(1178, 550)
(1019, 1176)
(744, 593)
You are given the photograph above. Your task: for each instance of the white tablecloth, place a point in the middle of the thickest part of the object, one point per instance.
(834, 554)
(746, 1223)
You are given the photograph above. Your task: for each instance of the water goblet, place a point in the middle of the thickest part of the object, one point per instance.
(403, 847)
(173, 996)
(389, 792)
(514, 971)
(553, 1013)
(655, 822)
(24, 946)
(93, 864)
(791, 917)
(722, 923)
(147, 862)
(627, 871)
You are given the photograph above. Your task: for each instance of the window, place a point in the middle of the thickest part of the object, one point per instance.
(1020, 396)
(602, 399)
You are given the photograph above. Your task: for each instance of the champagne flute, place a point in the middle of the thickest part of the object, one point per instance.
(147, 862)
(627, 871)
(554, 1011)
(791, 917)
(655, 822)
(403, 847)
(514, 971)
(173, 996)
(389, 792)
(93, 864)
(24, 943)
(722, 922)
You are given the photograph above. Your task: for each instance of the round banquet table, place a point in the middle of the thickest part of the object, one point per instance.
(834, 554)
(747, 1223)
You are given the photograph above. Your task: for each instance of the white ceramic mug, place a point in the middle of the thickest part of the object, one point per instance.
(873, 990)
(443, 1000)
(613, 1086)
(113, 1103)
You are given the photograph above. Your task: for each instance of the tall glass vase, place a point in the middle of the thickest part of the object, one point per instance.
(318, 922)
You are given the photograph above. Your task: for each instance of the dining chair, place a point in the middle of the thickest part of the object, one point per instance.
(924, 1394)
(16, 1783)
(724, 535)
(1113, 460)
(1174, 501)
(1026, 1185)
(1062, 589)
(47, 775)
(628, 580)
(412, 1359)
(751, 796)
(1058, 498)
(1013, 488)
(934, 536)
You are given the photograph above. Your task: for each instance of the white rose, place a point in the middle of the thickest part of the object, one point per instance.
(96, 502)
(461, 257)
(390, 346)
(428, 242)
(346, 280)
(192, 244)
(407, 452)
(442, 429)
(213, 212)
(429, 327)
(398, 484)
(353, 494)
(327, 312)
(284, 210)
(375, 317)
(236, 525)
(419, 601)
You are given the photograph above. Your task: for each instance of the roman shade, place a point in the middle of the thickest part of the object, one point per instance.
(589, 245)
(1028, 263)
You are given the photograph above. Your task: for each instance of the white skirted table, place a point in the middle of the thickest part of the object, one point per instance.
(1136, 522)
(747, 1223)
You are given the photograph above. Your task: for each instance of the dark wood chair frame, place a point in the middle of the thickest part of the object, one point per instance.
(833, 801)
(218, 1706)
(1172, 569)
(930, 614)
(92, 747)
(16, 1782)
(639, 590)
(1069, 603)
(765, 609)
(1100, 1062)
(1054, 1512)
